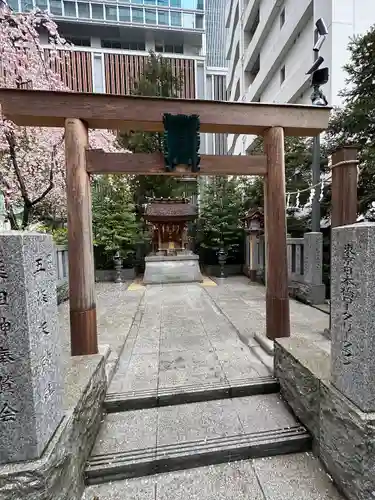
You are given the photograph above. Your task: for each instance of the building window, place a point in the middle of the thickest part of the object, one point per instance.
(55, 7)
(70, 9)
(118, 44)
(163, 17)
(13, 4)
(79, 42)
(282, 75)
(169, 48)
(176, 19)
(41, 4)
(282, 18)
(26, 5)
(175, 3)
(124, 14)
(83, 10)
(111, 44)
(137, 15)
(97, 11)
(111, 12)
(98, 74)
(150, 16)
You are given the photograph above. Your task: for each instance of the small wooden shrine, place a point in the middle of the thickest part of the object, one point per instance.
(169, 220)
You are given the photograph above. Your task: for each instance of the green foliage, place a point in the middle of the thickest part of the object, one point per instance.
(354, 124)
(220, 221)
(298, 177)
(158, 80)
(114, 221)
(59, 235)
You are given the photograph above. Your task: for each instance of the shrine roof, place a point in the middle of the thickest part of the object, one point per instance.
(170, 209)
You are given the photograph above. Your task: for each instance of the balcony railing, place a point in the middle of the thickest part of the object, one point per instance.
(179, 14)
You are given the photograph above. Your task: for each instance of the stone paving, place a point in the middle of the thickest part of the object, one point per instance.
(182, 338)
(243, 303)
(117, 306)
(289, 477)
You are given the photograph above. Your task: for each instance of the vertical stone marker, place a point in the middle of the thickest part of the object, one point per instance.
(30, 346)
(353, 313)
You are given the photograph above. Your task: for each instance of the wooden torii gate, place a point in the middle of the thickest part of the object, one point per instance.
(77, 112)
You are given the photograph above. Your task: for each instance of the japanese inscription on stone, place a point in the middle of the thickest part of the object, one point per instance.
(30, 351)
(348, 290)
(8, 408)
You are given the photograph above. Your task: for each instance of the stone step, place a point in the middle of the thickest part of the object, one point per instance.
(168, 396)
(143, 442)
(290, 477)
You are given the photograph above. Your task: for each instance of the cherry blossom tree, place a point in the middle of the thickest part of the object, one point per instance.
(32, 159)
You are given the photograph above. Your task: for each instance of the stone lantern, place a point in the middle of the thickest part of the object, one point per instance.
(254, 227)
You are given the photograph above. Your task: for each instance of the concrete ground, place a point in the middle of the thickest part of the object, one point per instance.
(290, 477)
(221, 321)
(181, 339)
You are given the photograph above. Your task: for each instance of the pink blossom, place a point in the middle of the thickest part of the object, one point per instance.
(33, 159)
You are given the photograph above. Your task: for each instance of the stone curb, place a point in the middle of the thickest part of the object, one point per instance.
(266, 344)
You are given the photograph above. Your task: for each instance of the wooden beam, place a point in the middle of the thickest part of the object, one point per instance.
(83, 330)
(344, 186)
(277, 299)
(100, 162)
(49, 109)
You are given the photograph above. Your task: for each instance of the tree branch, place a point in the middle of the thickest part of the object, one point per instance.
(12, 151)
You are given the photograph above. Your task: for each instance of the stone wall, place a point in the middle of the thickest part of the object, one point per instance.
(343, 436)
(58, 474)
(108, 275)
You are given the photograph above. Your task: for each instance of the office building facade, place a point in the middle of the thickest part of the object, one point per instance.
(269, 49)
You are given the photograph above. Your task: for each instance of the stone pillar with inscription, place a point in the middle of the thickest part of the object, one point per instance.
(353, 313)
(30, 346)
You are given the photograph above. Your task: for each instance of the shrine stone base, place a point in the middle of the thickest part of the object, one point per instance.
(59, 473)
(343, 435)
(164, 269)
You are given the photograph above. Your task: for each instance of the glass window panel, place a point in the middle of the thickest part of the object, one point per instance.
(137, 15)
(163, 17)
(178, 49)
(26, 5)
(175, 3)
(189, 21)
(150, 2)
(150, 16)
(83, 10)
(41, 4)
(98, 74)
(199, 21)
(200, 4)
(124, 14)
(189, 4)
(164, 3)
(136, 46)
(97, 11)
(70, 9)
(137, 1)
(13, 4)
(176, 19)
(159, 47)
(111, 12)
(55, 7)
